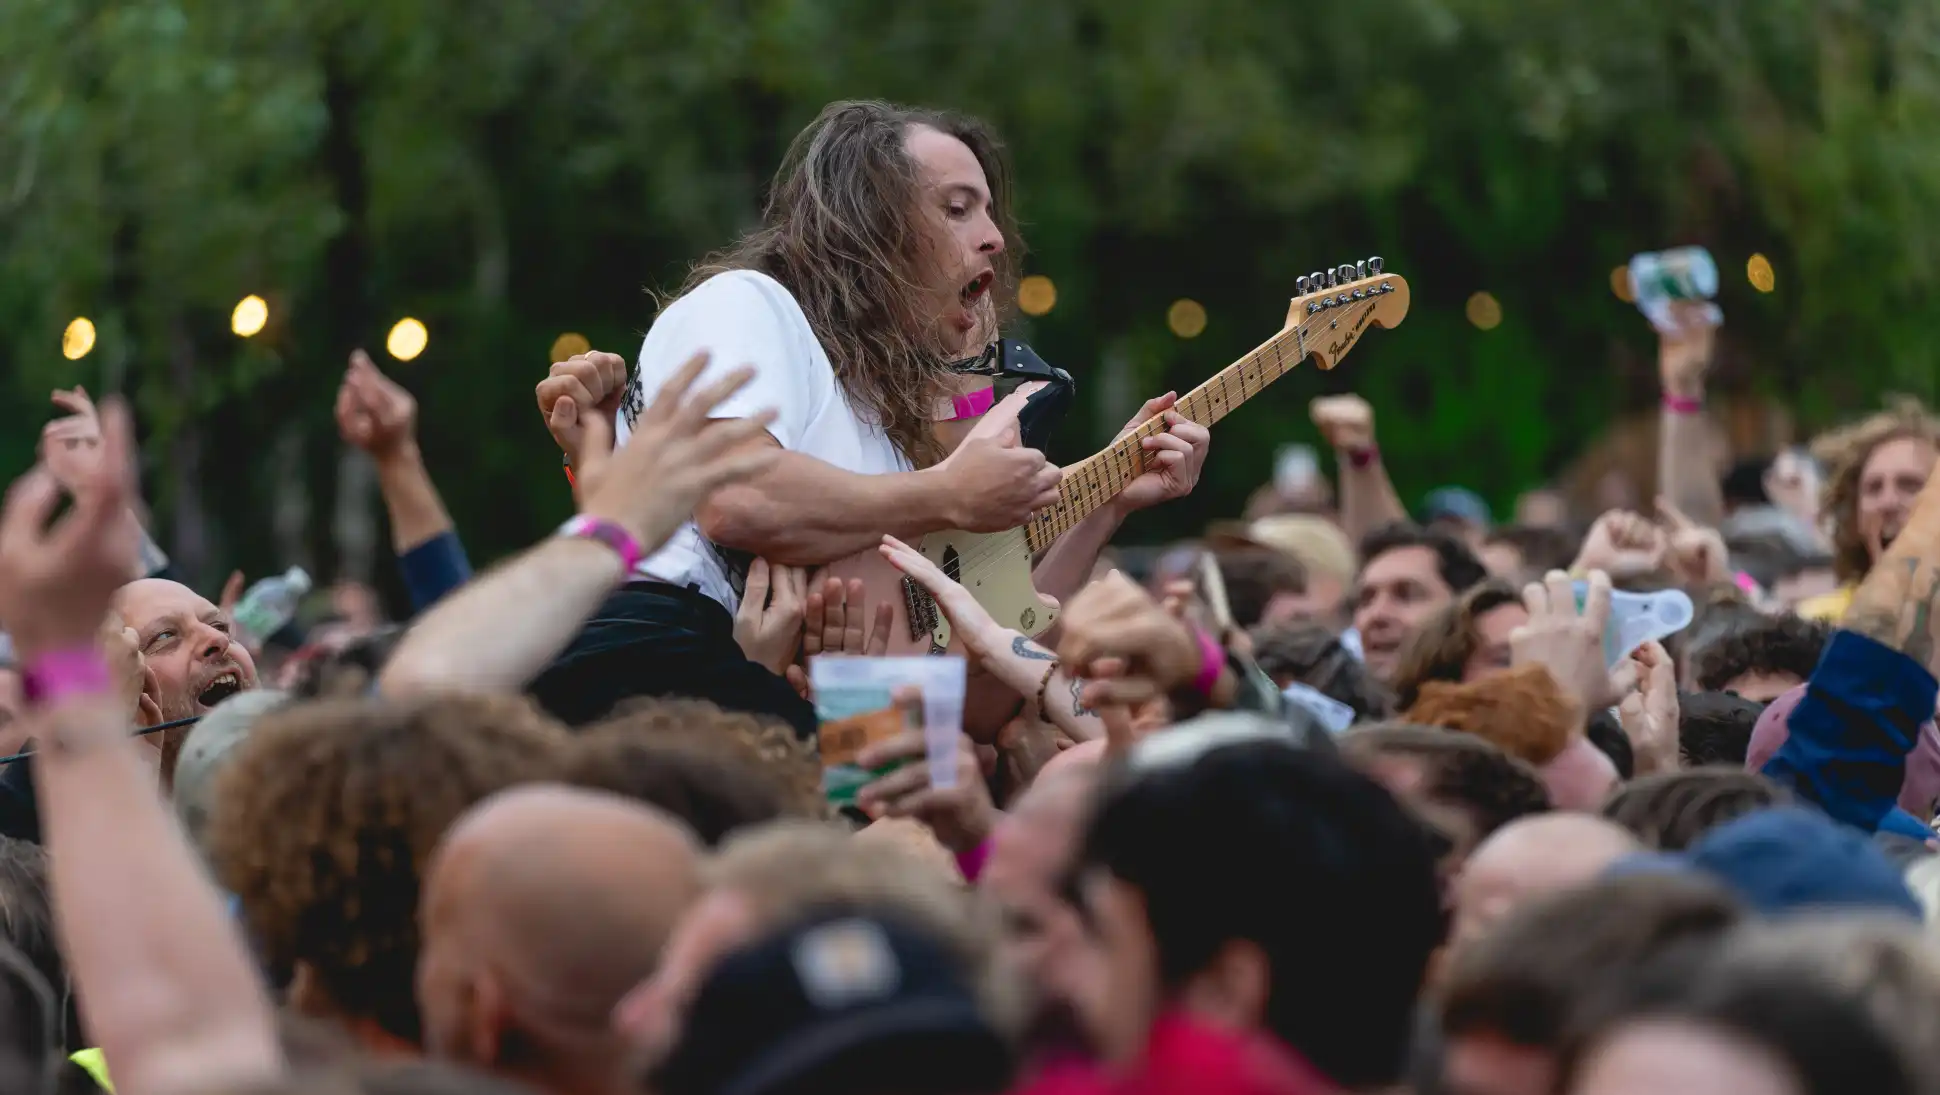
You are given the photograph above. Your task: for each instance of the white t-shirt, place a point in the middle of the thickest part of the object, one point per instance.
(746, 318)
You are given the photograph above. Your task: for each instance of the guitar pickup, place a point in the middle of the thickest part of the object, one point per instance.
(921, 608)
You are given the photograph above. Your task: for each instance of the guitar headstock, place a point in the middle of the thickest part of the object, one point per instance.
(1334, 308)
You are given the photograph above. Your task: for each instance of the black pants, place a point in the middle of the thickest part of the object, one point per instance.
(655, 639)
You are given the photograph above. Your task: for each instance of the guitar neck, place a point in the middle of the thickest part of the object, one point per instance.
(1090, 484)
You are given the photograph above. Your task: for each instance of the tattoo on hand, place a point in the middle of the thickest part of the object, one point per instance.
(1077, 698)
(1023, 647)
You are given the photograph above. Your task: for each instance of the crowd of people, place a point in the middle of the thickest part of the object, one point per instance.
(1333, 797)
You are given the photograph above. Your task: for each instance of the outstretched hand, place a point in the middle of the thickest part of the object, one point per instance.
(1125, 643)
(1695, 553)
(676, 456)
(58, 577)
(768, 626)
(1568, 641)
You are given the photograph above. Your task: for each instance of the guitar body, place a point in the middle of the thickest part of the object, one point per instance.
(1333, 310)
(996, 568)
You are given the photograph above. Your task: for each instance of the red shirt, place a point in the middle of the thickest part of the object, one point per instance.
(1187, 1057)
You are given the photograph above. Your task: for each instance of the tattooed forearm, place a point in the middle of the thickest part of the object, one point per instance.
(1078, 698)
(1023, 647)
(1895, 604)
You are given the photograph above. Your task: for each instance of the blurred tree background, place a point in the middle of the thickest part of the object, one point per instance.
(510, 170)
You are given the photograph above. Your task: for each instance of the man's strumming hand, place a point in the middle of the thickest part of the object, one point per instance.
(991, 482)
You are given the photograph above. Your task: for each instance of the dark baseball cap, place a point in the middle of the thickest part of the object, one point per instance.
(842, 1001)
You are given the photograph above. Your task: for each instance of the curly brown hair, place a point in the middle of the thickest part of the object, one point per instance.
(843, 231)
(1522, 711)
(322, 824)
(1445, 641)
(716, 770)
(1844, 453)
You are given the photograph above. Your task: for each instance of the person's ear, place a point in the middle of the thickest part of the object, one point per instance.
(483, 1015)
(1232, 990)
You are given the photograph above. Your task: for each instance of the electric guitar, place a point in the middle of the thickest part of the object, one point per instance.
(1333, 310)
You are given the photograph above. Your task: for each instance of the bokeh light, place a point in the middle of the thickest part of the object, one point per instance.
(1036, 295)
(1484, 311)
(571, 344)
(1758, 269)
(407, 339)
(250, 316)
(1620, 284)
(1187, 318)
(78, 339)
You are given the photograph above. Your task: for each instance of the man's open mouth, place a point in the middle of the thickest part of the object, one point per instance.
(976, 288)
(220, 689)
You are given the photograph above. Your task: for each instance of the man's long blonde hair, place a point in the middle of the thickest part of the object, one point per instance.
(844, 232)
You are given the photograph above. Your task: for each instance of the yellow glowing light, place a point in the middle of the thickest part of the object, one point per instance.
(1484, 311)
(1036, 295)
(569, 345)
(1758, 269)
(407, 339)
(1620, 285)
(1187, 318)
(78, 339)
(250, 316)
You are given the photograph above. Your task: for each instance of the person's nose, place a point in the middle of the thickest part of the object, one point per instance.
(214, 642)
(993, 238)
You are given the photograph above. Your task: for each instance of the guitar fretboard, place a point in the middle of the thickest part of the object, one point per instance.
(1097, 479)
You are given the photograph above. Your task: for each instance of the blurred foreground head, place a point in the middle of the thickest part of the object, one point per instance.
(322, 823)
(1237, 879)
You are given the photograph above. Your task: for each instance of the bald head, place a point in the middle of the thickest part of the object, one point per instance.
(1534, 855)
(186, 640)
(542, 906)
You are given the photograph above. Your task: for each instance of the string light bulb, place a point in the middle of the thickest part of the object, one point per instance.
(250, 317)
(407, 339)
(78, 339)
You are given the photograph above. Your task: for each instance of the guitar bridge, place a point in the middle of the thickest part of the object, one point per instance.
(921, 607)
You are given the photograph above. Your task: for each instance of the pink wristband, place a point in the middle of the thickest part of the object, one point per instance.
(1677, 404)
(1212, 658)
(65, 674)
(971, 862)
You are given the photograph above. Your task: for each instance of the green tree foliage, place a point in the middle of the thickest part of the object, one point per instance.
(507, 170)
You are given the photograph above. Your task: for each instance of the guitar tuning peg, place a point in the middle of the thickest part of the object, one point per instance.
(1319, 280)
(1300, 286)
(1360, 269)
(1374, 265)
(1346, 272)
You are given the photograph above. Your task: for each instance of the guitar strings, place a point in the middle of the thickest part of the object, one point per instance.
(995, 554)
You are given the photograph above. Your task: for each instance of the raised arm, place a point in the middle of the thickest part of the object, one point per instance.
(164, 978)
(501, 630)
(1367, 497)
(1686, 473)
(376, 414)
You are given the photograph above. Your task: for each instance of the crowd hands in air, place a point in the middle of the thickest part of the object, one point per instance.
(1323, 799)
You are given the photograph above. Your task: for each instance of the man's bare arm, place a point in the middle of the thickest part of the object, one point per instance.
(1686, 473)
(501, 630)
(804, 512)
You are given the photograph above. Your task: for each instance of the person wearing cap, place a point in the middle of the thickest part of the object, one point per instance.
(838, 1003)
(1222, 975)
(1788, 860)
